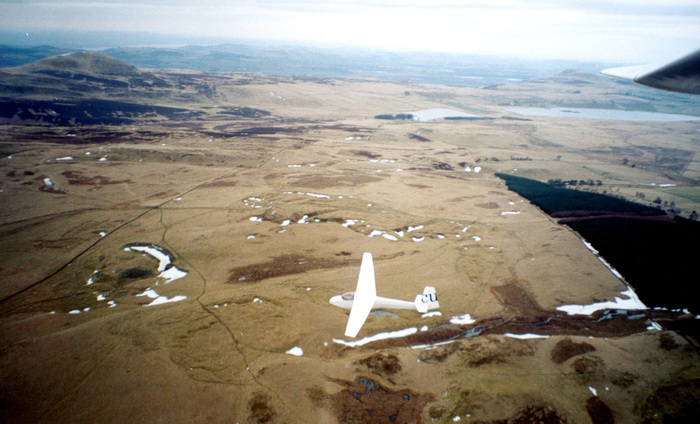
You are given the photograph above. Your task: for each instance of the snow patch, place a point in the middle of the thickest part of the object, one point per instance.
(632, 302)
(526, 336)
(171, 274)
(380, 336)
(296, 351)
(163, 258)
(168, 273)
(158, 299)
(433, 345)
(462, 319)
(318, 196)
(654, 326)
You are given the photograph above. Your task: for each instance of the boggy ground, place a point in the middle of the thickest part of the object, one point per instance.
(270, 224)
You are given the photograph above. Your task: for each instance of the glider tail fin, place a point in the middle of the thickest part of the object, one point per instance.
(427, 301)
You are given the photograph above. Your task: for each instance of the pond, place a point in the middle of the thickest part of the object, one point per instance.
(439, 113)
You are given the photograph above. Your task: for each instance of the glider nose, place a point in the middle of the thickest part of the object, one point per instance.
(337, 301)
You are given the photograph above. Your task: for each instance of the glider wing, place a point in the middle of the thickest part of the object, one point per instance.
(682, 75)
(364, 298)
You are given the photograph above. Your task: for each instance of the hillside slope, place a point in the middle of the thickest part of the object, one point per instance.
(76, 75)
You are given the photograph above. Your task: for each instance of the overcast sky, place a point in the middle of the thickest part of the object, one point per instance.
(624, 31)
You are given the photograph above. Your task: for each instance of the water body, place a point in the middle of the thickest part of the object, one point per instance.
(438, 113)
(613, 114)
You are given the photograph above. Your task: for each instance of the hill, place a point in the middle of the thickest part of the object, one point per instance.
(76, 75)
(80, 88)
(578, 89)
(84, 63)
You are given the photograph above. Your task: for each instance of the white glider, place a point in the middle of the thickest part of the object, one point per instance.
(364, 299)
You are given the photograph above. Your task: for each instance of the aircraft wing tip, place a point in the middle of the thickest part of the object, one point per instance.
(628, 73)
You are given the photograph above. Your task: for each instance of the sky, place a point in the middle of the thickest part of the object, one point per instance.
(620, 31)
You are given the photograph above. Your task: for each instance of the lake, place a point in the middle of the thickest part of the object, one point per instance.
(613, 114)
(439, 113)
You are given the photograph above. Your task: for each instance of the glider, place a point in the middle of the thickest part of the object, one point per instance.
(681, 75)
(364, 299)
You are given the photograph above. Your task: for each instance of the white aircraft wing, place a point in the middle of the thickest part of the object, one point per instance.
(365, 294)
(682, 75)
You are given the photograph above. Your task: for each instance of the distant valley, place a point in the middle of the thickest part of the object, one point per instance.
(316, 62)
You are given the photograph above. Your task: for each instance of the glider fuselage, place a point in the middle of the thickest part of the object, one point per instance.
(346, 300)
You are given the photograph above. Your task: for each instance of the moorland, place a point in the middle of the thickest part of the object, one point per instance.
(170, 239)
